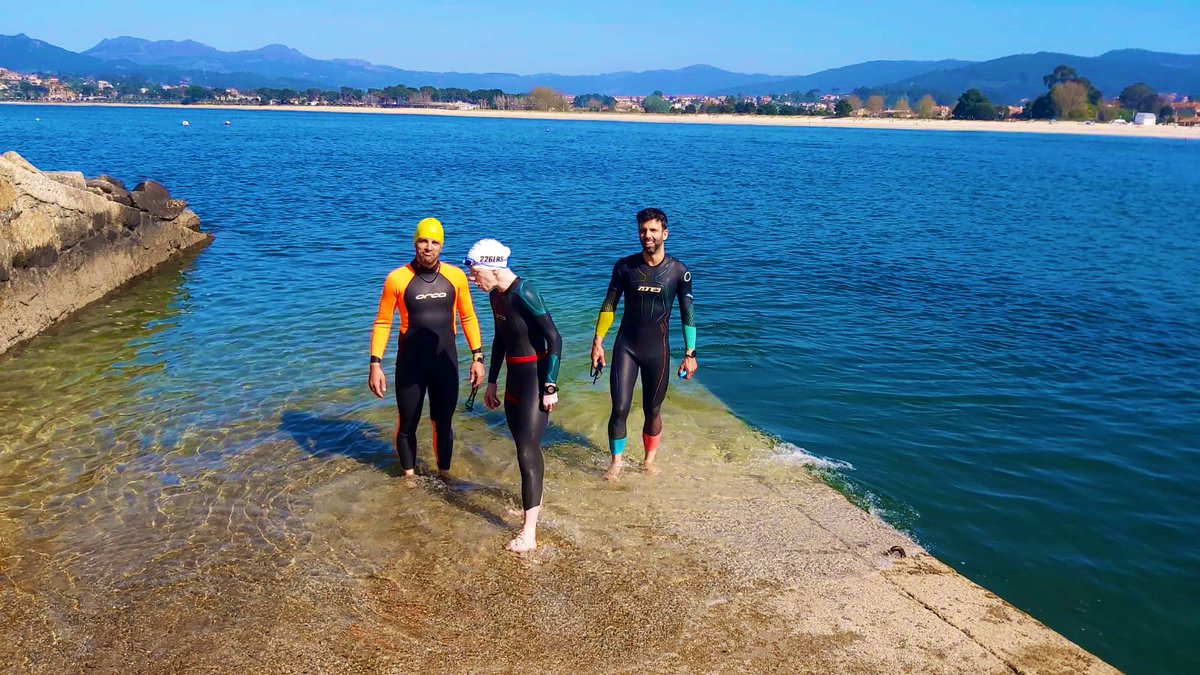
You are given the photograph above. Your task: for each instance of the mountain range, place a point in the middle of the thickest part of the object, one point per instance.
(1004, 80)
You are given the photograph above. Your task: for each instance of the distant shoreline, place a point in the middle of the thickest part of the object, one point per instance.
(1021, 126)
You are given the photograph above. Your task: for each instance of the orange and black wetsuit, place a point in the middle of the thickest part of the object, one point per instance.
(426, 359)
(527, 340)
(642, 342)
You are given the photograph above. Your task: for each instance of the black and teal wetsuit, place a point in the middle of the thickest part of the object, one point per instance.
(642, 340)
(527, 340)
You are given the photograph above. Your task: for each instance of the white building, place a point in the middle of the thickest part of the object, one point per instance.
(1145, 119)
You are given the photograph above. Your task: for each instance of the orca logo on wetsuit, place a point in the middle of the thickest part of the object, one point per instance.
(430, 296)
(649, 289)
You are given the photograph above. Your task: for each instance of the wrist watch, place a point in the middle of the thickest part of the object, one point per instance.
(690, 355)
(550, 388)
(477, 357)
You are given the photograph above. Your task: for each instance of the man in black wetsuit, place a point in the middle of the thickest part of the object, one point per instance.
(427, 295)
(650, 282)
(528, 342)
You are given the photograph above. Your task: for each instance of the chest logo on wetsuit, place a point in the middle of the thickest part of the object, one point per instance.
(649, 289)
(430, 296)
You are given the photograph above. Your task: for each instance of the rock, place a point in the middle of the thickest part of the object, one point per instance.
(188, 219)
(66, 242)
(154, 199)
(69, 178)
(19, 161)
(113, 189)
(112, 181)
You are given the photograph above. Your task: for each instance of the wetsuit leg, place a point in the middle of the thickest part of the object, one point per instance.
(623, 376)
(410, 398)
(655, 376)
(443, 397)
(527, 421)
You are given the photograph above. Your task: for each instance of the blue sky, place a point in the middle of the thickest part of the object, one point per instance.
(568, 37)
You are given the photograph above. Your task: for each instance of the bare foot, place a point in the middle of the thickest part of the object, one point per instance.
(444, 476)
(651, 469)
(614, 470)
(521, 544)
(410, 480)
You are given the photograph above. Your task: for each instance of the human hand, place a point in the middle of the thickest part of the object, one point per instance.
(598, 354)
(377, 381)
(477, 375)
(688, 367)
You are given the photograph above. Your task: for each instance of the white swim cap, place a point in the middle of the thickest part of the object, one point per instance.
(488, 254)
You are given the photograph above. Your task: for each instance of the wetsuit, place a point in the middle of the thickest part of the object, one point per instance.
(642, 342)
(528, 341)
(426, 359)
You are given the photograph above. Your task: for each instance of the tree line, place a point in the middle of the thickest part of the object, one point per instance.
(1069, 96)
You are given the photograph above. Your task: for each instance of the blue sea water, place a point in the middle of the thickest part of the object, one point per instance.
(997, 336)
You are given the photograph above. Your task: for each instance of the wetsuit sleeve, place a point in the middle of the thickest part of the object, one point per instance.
(539, 315)
(466, 313)
(608, 310)
(392, 289)
(686, 315)
(499, 351)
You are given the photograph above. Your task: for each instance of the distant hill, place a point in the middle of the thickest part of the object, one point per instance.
(1012, 78)
(279, 61)
(1004, 80)
(846, 78)
(23, 53)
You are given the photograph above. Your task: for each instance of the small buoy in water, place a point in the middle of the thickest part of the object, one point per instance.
(37, 119)
(227, 122)
(185, 123)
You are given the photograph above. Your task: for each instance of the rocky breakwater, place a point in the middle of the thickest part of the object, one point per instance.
(67, 241)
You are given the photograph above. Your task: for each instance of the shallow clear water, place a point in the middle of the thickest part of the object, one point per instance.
(996, 334)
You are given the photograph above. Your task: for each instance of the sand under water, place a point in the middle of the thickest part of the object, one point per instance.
(138, 536)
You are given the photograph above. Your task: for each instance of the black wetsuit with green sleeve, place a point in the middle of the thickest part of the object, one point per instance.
(527, 340)
(643, 343)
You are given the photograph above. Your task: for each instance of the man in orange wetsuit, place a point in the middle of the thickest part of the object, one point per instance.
(427, 294)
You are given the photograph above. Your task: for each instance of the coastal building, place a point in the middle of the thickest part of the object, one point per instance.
(1145, 119)
(56, 91)
(1187, 113)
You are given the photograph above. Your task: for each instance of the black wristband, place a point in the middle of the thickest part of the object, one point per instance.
(690, 355)
(376, 359)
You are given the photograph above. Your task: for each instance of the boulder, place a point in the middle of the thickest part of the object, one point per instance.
(188, 219)
(66, 242)
(69, 178)
(154, 199)
(112, 188)
(19, 161)
(112, 181)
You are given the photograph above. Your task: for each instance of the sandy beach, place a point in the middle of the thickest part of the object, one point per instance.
(1015, 126)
